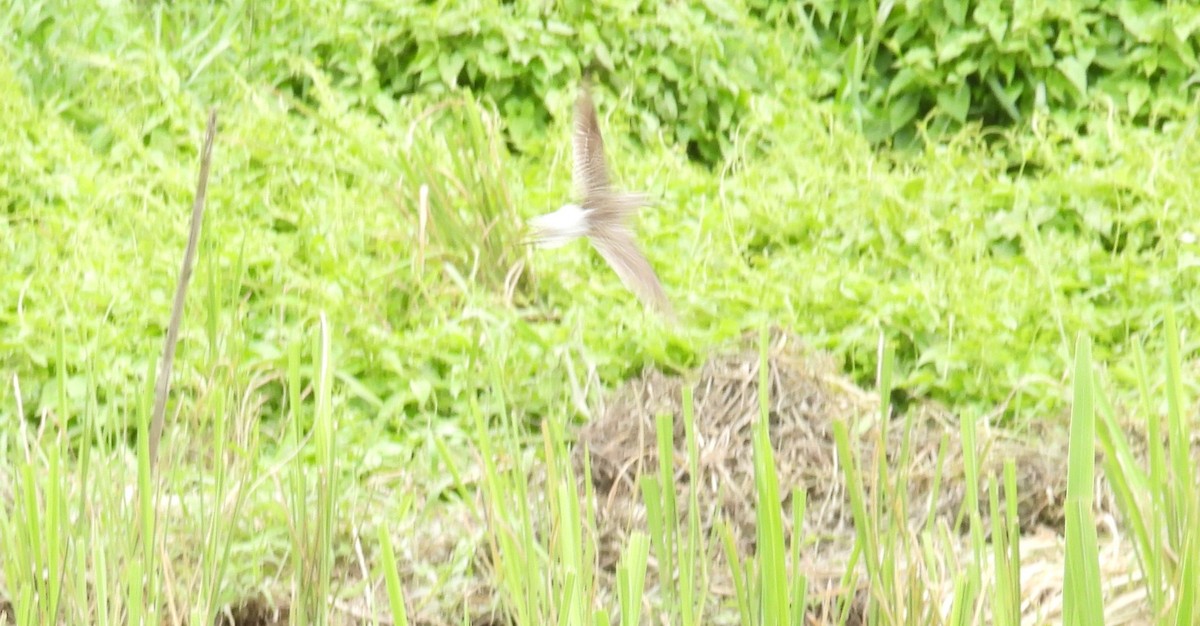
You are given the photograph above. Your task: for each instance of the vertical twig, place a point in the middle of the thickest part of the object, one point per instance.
(163, 385)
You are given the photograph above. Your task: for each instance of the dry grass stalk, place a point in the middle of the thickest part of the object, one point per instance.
(162, 384)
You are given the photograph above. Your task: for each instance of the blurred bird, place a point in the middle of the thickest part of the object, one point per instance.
(603, 213)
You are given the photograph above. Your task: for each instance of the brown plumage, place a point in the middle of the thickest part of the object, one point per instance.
(603, 214)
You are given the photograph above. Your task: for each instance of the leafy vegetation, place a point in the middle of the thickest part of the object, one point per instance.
(366, 343)
(688, 69)
(899, 65)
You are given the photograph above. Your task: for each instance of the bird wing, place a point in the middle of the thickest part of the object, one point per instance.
(591, 172)
(619, 249)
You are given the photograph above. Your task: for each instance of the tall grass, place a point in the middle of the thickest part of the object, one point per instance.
(171, 562)
(544, 555)
(1157, 495)
(95, 536)
(453, 176)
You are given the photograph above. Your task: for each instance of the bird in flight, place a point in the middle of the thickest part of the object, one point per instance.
(602, 214)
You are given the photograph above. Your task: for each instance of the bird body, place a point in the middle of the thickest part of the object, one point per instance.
(602, 214)
(561, 227)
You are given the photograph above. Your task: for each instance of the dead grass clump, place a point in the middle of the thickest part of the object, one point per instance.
(807, 394)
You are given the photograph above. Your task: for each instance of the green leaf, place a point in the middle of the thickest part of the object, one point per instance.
(1137, 94)
(904, 33)
(956, 10)
(1140, 19)
(921, 57)
(1008, 67)
(1185, 25)
(421, 389)
(902, 110)
(957, 43)
(556, 27)
(1082, 600)
(449, 67)
(603, 56)
(956, 104)
(667, 67)
(1007, 97)
(993, 18)
(1075, 71)
(905, 77)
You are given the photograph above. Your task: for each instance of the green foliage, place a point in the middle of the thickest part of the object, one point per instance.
(320, 203)
(998, 62)
(979, 265)
(686, 69)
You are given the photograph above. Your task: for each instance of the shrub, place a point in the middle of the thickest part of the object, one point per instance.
(688, 70)
(995, 62)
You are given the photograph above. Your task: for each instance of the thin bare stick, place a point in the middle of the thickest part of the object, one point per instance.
(163, 385)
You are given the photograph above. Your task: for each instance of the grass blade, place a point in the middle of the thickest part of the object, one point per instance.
(1082, 602)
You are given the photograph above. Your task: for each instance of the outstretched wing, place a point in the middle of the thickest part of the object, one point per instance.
(591, 172)
(618, 248)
